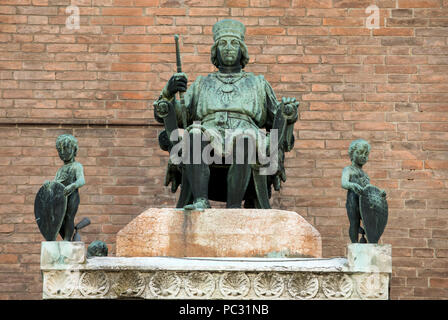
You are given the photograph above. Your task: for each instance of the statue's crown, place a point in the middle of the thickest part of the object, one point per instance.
(228, 27)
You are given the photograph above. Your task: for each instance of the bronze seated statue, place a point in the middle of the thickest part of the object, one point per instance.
(227, 103)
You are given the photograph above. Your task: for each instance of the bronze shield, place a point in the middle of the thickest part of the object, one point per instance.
(374, 213)
(49, 209)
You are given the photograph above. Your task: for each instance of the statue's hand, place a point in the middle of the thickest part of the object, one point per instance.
(290, 106)
(162, 108)
(68, 190)
(357, 188)
(177, 83)
(171, 177)
(383, 193)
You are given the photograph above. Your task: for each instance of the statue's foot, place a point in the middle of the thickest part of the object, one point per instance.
(198, 204)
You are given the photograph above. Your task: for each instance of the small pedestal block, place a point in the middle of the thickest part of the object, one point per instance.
(62, 253)
(370, 257)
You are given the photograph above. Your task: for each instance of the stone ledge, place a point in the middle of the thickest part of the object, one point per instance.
(212, 278)
(209, 264)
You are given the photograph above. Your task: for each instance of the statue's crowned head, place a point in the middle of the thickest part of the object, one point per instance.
(225, 30)
(228, 27)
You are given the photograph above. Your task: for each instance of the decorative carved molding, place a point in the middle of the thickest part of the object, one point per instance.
(94, 284)
(269, 285)
(303, 286)
(337, 286)
(165, 284)
(373, 286)
(204, 284)
(234, 284)
(60, 284)
(129, 284)
(199, 284)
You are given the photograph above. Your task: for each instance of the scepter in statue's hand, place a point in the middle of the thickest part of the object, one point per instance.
(181, 93)
(177, 83)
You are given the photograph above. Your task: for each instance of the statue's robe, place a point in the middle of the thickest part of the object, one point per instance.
(227, 105)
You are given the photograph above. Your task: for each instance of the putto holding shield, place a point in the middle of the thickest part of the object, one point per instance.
(365, 202)
(57, 201)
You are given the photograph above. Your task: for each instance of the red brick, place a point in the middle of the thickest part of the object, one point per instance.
(349, 31)
(438, 283)
(6, 228)
(66, 47)
(121, 11)
(237, 3)
(348, 22)
(263, 12)
(423, 252)
(312, 3)
(419, 3)
(134, 21)
(208, 12)
(266, 31)
(393, 69)
(8, 259)
(393, 32)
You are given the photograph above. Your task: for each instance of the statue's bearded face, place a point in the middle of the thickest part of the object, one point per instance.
(228, 50)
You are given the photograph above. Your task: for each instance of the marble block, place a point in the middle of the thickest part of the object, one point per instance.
(62, 253)
(370, 257)
(219, 233)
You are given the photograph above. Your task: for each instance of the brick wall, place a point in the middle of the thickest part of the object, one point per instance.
(98, 82)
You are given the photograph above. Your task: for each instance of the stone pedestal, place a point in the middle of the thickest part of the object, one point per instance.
(360, 277)
(62, 253)
(216, 254)
(219, 233)
(370, 257)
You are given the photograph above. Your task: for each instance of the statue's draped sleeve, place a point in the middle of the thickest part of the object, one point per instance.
(191, 100)
(271, 103)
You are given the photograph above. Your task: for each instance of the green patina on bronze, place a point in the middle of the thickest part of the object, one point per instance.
(228, 99)
(365, 202)
(57, 201)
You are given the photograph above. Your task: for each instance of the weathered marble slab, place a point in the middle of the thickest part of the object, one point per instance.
(219, 233)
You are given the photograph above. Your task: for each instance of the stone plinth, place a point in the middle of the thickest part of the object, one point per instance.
(216, 278)
(62, 253)
(370, 257)
(219, 233)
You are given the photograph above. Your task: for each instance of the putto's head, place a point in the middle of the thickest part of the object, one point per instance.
(67, 146)
(359, 151)
(229, 45)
